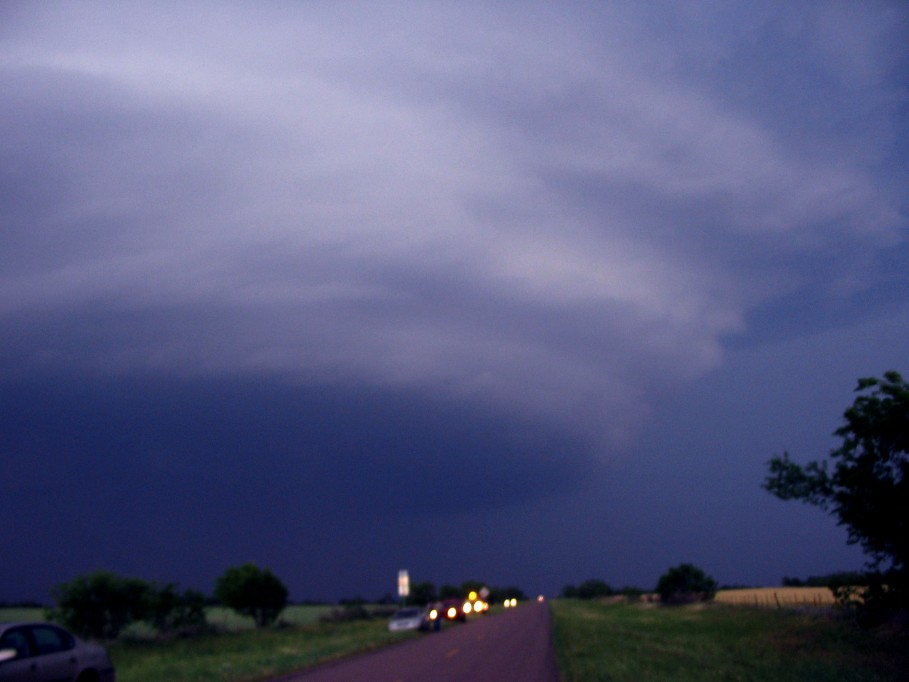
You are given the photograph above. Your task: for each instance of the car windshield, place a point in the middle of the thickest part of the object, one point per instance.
(407, 613)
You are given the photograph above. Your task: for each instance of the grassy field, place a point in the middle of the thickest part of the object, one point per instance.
(718, 642)
(227, 619)
(219, 617)
(10, 615)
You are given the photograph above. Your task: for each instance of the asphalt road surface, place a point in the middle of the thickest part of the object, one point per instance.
(512, 645)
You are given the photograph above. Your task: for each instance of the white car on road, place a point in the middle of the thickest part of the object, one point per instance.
(409, 619)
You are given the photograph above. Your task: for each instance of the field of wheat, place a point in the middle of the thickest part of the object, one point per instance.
(777, 597)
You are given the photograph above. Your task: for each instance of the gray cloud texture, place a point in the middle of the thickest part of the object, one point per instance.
(550, 212)
(522, 207)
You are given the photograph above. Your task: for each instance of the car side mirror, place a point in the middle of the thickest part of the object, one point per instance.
(8, 654)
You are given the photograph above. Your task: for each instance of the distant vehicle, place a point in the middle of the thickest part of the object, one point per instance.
(42, 652)
(476, 602)
(453, 609)
(409, 619)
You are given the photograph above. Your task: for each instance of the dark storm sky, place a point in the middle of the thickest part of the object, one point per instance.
(526, 294)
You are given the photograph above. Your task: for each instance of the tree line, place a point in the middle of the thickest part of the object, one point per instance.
(424, 593)
(684, 583)
(102, 604)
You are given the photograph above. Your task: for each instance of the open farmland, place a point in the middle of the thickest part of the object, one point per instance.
(778, 597)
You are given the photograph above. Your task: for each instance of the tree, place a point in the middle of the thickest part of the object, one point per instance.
(685, 583)
(589, 589)
(868, 488)
(449, 592)
(423, 593)
(252, 592)
(593, 589)
(500, 594)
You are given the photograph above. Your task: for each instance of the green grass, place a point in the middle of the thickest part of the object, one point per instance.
(17, 615)
(217, 616)
(227, 619)
(247, 654)
(641, 642)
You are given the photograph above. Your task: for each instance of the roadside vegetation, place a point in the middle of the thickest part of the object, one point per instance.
(252, 654)
(102, 605)
(643, 641)
(233, 648)
(612, 638)
(247, 632)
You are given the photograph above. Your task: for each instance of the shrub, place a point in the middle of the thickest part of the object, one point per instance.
(101, 604)
(169, 611)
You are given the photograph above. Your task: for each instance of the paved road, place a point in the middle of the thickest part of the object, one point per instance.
(513, 645)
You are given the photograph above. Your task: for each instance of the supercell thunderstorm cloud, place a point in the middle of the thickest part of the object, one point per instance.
(527, 294)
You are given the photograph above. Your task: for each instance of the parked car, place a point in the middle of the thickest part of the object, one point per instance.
(41, 652)
(412, 618)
